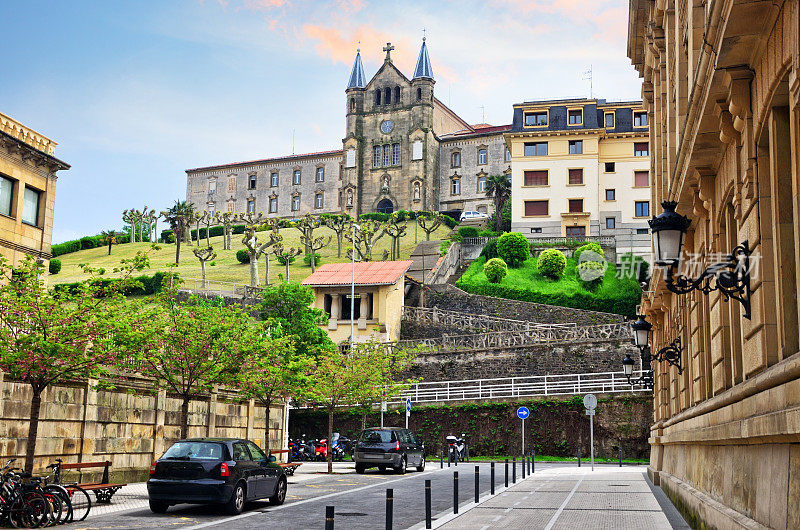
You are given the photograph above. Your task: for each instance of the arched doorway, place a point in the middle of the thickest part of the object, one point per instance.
(385, 206)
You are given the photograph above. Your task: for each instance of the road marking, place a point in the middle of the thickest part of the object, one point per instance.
(496, 518)
(563, 504)
(276, 508)
(508, 509)
(516, 503)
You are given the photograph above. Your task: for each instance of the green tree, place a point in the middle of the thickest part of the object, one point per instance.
(289, 304)
(429, 222)
(179, 217)
(48, 336)
(339, 223)
(108, 237)
(498, 187)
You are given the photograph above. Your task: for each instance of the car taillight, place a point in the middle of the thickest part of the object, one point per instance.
(153, 468)
(223, 470)
(397, 445)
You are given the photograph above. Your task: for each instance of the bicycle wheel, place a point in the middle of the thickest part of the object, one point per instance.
(56, 508)
(81, 503)
(66, 505)
(30, 510)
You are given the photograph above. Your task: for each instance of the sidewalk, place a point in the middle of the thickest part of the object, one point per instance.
(570, 497)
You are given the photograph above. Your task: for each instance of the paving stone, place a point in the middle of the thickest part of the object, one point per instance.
(601, 520)
(613, 501)
(527, 500)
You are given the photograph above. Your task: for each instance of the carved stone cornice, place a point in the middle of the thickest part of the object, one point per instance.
(738, 80)
(727, 133)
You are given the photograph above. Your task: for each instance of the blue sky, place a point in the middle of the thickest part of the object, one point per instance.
(137, 92)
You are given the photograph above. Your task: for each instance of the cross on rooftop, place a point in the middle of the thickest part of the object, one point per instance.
(388, 49)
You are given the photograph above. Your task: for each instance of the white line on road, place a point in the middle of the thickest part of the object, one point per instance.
(563, 504)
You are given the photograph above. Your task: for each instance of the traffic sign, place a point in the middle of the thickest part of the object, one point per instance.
(589, 401)
(408, 405)
(590, 412)
(523, 413)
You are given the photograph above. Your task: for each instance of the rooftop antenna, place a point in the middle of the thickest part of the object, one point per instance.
(588, 75)
(483, 114)
(292, 141)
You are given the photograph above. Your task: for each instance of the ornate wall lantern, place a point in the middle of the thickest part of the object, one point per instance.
(730, 276)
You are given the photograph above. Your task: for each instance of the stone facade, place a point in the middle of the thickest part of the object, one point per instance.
(131, 426)
(27, 191)
(722, 91)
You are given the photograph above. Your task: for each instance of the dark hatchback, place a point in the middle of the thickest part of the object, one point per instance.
(393, 447)
(225, 471)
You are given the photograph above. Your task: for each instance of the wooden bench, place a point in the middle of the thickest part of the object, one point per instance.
(290, 467)
(103, 490)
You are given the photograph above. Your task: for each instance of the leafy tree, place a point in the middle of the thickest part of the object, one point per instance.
(189, 347)
(289, 305)
(272, 371)
(179, 217)
(368, 233)
(256, 248)
(108, 237)
(396, 228)
(340, 224)
(429, 222)
(52, 336)
(499, 188)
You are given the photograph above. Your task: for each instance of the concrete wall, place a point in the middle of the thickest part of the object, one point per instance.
(131, 425)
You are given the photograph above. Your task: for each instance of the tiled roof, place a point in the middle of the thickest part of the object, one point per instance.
(275, 159)
(369, 273)
(477, 130)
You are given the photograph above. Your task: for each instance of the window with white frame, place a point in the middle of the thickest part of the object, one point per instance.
(273, 179)
(320, 174)
(273, 205)
(30, 206)
(482, 184)
(296, 176)
(395, 154)
(319, 201)
(376, 156)
(387, 154)
(455, 159)
(6, 195)
(481, 156)
(455, 186)
(295, 203)
(251, 206)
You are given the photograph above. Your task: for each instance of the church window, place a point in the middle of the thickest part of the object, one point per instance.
(320, 174)
(232, 184)
(273, 205)
(575, 147)
(417, 191)
(508, 155)
(341, 171)
(376, 156)
(295, 203)
(378, 97)
(397, 94)
(387, 96)
(251, 206)
(251, 185)
(455, 159)
(339, 201)
(395, 154)
(419, 94)
(481, 156)
(455, 186)
(352, 104)
(416, 150)
(536, 149)
(318, 200)
(273, 179)
(481, 184)
(386, 154)
(296, 177)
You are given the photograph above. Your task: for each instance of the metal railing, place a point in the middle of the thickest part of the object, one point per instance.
(605, 241)
(461, 320)
(220, 288)
(519, 387)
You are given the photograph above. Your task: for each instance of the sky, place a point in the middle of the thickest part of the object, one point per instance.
(137, 92)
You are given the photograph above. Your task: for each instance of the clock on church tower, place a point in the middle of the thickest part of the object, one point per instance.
(387, 126)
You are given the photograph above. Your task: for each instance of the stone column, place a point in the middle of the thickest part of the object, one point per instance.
(211, 418)
(158, 426)
(2, 374)
(335, 312)
(285, 423)
(362, 319)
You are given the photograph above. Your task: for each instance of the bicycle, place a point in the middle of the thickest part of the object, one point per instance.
(22, 505)
(80, 502)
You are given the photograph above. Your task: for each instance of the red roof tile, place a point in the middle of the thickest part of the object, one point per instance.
(369, 273)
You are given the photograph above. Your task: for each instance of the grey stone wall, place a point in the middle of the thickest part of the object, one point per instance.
(469, 170)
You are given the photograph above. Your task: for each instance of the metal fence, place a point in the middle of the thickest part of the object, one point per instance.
(520, 387)
(459, 320)
(605, 241)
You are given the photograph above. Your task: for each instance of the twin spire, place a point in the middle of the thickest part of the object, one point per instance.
(423, 69)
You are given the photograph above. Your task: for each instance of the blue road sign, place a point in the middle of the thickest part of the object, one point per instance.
(408, 404)
(523, 413)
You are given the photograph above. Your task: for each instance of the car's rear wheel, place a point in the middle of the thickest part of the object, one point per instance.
(280, 493)
(421, 466)
(360, 468)
(382, 468)
(401, 469)
(236, 504)
(158, 506)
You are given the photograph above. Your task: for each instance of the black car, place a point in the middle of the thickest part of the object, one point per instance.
(226, 471)
(389, 447)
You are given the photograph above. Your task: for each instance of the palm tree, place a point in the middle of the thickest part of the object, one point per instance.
(177, 218)
(499, 188)
(108, 237)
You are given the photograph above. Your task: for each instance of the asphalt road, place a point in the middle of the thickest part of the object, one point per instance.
(359, 502)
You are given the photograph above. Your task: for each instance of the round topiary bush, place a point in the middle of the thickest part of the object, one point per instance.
(551, 263)
(55, 266)
(514, 248)
(317, 259)
(495, 270)
(242, 256)
(591, 271)
(594, 247)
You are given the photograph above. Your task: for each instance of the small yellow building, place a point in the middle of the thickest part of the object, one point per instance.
(378, 303)
(27, 191)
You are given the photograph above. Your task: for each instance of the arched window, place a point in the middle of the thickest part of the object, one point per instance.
(387, 96)
(352, 103)
(378, 97)
(419, 94)
(397, 94)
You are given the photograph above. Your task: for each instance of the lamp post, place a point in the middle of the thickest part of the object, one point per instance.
(641, 339)
(353, 285)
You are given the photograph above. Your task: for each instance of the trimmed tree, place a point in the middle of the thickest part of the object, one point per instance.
(285, 255)
(366, 236)
(396, 228)
(255, 247)
(203, 255)
(514, 248)
(314, 245)
(498, 187)
(340, 224)
(429, 222)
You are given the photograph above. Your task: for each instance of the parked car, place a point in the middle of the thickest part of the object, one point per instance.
(389, 447)
(225, 471)
(473, 215)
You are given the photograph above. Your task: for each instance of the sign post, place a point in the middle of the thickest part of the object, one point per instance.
(590, 402)
(408, 410)
(523, 413)
(384, 408)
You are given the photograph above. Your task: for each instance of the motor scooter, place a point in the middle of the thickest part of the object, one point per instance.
(337, 447)
(456, 447)
(295, 452)
(321, 450)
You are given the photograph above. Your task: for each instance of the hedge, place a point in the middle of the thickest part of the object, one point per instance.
(490, 250)
(624, 305)
(150, 284)
(468, 231)
(495, 270)
(84, 243)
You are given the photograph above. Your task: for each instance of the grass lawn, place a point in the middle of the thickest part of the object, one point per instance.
(617, 295)
(226, 267)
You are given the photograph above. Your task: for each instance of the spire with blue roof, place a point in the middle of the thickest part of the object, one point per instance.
(423, 69)
(357, 78)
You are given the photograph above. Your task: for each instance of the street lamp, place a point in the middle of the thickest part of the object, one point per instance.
(731, 275)
(641, 339)
(353, 285)
(627, 366)
(641, 332)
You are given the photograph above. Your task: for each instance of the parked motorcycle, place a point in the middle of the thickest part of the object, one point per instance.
(295, 452)
(456, 447)
(338, 448)
(321, 450)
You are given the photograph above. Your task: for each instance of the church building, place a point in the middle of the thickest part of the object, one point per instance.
(403, 149)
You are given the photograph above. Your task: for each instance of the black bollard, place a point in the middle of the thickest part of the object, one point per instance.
(506, 472)
(329, 518)
(533, 461)
(455, 457)
(620, 457)
(389, 507)
(449, 457)
(477, 484)
(441, 460)
(428, 521)
(524, 465)
(455, 491)
(579, 457)
(514, 470)
(491, 487)
(466, 453)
